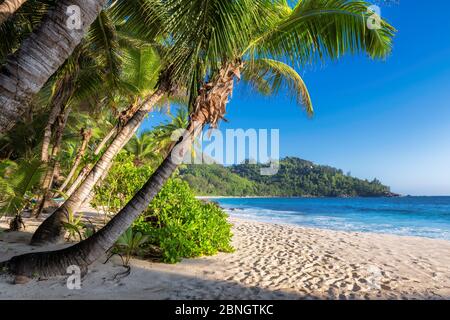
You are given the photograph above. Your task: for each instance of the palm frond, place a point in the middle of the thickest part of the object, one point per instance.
(206, 33)
(270, 76)
(140, 19)
(141, 69)
(20, 183)
(318, 29)
(103, 40)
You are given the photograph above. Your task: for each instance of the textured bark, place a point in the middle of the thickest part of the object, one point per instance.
(105, 140)
(87, 168)
(8, 8)
(122, 120)
(88, 199)
(55, 110)
(51, 230)
(57, 174)
(40, 55)
(86, 136)
(63, 90)
(59, 99)
(53, 164)
(46, 264)
(81, 176)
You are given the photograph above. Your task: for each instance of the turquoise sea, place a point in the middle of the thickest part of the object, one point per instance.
(409, 216)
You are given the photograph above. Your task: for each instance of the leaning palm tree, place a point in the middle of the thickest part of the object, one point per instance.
(133, 67)
(86, 135)
(52, 229)
(313, 29)
(100, 122)
(63, 89)
(94, 54)
(41, 54)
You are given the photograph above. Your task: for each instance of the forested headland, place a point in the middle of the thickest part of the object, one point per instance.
(295, 177)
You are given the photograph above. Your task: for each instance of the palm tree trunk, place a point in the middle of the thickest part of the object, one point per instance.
(39, 56)
(51, 230)
(210, 106)
(86, 134)
(57, 173)
(8, 8)
(87, 168)
(126, 115)
(54, 112)
(81, 176)
(63, 89)
(91, 195)
(51, 170)
(122, 120)
(47, 264)
(105, 140)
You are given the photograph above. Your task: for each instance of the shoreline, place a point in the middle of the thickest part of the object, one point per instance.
(297, 197)
(271, 261)
(277, 220)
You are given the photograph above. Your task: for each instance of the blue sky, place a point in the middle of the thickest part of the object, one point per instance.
(386, 119)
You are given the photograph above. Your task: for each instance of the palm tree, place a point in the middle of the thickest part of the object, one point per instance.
(86, 135)
(99, 123)
(162, 134)
(152, 145)
(63, 88)
(142, 147)
(102, 46)
(313, 30)
(51, 230)
(53, 164)
(39, 56)
(140, 74)
(46, 49)
(8, 7)
(66, 84)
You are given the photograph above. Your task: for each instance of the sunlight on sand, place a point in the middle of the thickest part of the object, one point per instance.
(271, 262)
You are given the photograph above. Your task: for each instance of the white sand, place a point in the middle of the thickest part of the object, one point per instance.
(271, 262)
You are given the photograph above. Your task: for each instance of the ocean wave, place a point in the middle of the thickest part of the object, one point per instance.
(385, 209)
(351, 221)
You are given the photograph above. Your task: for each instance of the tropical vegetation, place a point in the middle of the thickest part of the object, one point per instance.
(295, 178)
(175, 225)
(75, 102)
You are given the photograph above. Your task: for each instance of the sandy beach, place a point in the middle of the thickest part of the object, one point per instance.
(270, 262)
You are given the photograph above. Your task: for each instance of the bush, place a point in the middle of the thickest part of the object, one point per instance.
(122, 182)
(183, 226)
(175, 221)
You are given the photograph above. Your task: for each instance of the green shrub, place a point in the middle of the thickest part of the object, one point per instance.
(122, 182)
(183, 226)
(175, 221)
(18, 184)
(129, 244)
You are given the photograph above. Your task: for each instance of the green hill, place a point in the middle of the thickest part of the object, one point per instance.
(296, 177)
